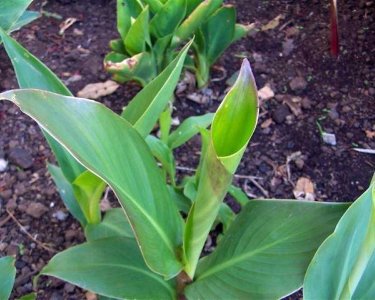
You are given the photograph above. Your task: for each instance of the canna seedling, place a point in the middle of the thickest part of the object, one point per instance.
(151, 32)
(146, 249)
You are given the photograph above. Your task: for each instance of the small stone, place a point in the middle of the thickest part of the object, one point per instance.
(333, 114)
(3, 165)
(20, 189)
(60, 215)
(69, 288)
(298, 83)
(21, 158)
(306, 103)
(280, 113)
(346, 109)
(70, 235)
(36, 210)
(3, 246)
(299, 163)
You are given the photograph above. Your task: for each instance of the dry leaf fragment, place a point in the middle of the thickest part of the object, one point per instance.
(370, 134)
(267, 123)
(273, 23)
(66, 24)
(266, 93)
(97, 90)
(304, 189)
(294, 104)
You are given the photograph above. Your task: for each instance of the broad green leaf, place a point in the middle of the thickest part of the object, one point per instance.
(32, 73)
(111, 148)
(114, 224)
(164, 155)
(238, 195)
(266, 251)
(232, 127)
(11, 11)
(218, 32)
(88, 190)
(145, 108)
(191, 5)
(7, 276)
(138, 34)
(344, 265)
(26, 18)
(189, 128)
(168, 18)
(198, 16)
(162, 52)
(65, 190)
(111, 267)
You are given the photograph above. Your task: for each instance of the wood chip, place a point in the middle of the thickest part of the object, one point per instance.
(266, 93)
(267, 123)
(273, 23)
(304, 189)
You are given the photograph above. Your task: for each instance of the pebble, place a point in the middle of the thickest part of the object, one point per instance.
(69, 288)
(299, 163)
(3, 165)
(280, 113)
(36, 210)
(298, 83)
(306, 103)
(60, 215)
(21, 158)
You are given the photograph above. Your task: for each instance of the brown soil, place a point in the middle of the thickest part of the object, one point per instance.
(339, 93)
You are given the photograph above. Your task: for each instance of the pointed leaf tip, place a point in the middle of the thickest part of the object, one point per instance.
(236, 118)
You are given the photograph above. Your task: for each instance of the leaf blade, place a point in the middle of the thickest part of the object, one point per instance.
(132, 174)
(7, 276)
(265, 253)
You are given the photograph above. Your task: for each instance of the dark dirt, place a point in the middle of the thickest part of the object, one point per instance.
(293, 58)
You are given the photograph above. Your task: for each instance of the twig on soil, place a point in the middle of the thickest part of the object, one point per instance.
(22, 228)
(262, 189)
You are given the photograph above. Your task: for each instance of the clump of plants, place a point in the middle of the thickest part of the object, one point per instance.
(152, 247)
(152, 32)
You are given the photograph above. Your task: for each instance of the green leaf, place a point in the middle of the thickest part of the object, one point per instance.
(189, 128)
(168, 18)
(191, 5)
(88, 190)
(266, 251)
(7, 276)
(112, 149)
(114, 224)
(11, 11)
(218, 32)
(118, 47)
(232, 127)
(126, 10)
(183, 202)
(241, 31)
(225, 216)
(65, 190)
(198, 16)
(164, 155)
(140, 67)
(145, 108)
(344, 265)
(138, 34)
(111, 267)
(26, 18)
(238, 195)
(155, 5)
(31, 296)
(165, 123)
(32, 73)
(235, 120)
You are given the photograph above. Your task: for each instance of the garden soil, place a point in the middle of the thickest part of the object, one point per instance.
(306, 89)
